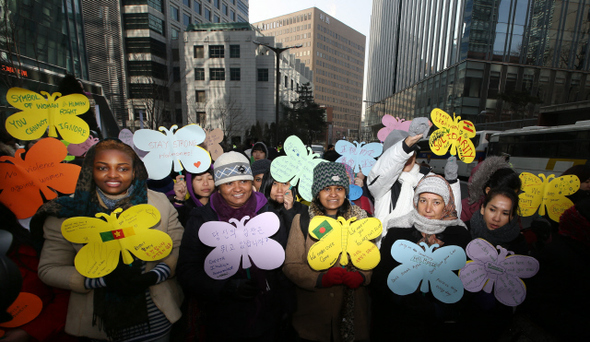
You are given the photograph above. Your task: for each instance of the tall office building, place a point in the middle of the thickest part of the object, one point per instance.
(134, 58)
(40, 42)
(492, 62)
(335, 53)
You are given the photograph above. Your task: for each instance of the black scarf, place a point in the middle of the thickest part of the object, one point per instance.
(501, 236)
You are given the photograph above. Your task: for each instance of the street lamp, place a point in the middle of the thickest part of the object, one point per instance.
(277, 51)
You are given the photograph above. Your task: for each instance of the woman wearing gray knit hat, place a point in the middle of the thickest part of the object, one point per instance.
(250, 301)
(332, 305)
(433, 221)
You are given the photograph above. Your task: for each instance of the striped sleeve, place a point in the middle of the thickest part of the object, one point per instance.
(163, 271)
(94, 283)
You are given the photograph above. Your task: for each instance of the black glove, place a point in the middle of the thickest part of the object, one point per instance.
(128, 279)
(241, 289)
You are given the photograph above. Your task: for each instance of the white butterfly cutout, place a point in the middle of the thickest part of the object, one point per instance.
(244, 241)
(358, 156)
(180, 149)
(427, 266)
(296, 166)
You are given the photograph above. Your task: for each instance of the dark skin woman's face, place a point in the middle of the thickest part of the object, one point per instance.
(112, 171)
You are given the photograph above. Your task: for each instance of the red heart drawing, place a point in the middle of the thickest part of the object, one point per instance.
(197, 164)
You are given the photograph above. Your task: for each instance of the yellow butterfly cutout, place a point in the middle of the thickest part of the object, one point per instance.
(53, 111)
(453, 134)
(347, 237)
(547, 192)
(105, 239)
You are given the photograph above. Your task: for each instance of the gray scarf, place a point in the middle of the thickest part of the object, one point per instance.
(423, 224)
(502, 235)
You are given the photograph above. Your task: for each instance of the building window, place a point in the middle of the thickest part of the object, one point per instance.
(216, 3)
(201, 117)
(175, 55)
(200, 96)
(174, 33)
(174, 13)
(156, 24)
(216, 18)
(217, 74)
(187, 3)
(178, 116)
(262, 75)
(234, 74)
(177, 97)
(232, 15)
(176, 74)
(224, 8)
(234, 51)
(199, 51)
(207, 14)
(186, 19)
(243, 7)
(199, 74)
(286, 82)
(197, 7)
(157, 5)
(216, 51)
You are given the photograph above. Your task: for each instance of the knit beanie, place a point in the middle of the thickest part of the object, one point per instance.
(393, 138)
(433, 184)
(328, 174)
(232, 166)
(260, 166)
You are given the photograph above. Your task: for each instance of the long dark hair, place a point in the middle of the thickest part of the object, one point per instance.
(266, 187)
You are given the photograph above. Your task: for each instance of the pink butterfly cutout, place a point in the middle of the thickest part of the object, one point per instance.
(79, 150)
(391, 124)
(488, 267)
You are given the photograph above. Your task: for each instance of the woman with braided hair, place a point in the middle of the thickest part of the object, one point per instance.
(137, 302)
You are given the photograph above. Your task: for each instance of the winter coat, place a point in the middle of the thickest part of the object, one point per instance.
(225, 315)
(56, 268)
(416, 316)
(319, 310)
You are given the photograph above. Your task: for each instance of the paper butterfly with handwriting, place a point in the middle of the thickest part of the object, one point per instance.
(427, 266)
(214, 137)
(79, 150)
(24, 309)
(126, 136)
(488, 269)
(453, 136)
(345, 239)
(180, 149)
(540, 192)
(392, 124)
(52, 111)
(360, 156)
(108, 235)
(40, 172)
(296, 166)
(241, 241)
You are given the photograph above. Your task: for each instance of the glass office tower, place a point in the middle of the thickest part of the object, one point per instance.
(494, 62)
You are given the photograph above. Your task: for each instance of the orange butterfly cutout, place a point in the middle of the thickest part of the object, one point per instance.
(41, 170)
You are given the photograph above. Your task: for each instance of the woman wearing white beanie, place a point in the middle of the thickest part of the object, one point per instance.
(433, 220)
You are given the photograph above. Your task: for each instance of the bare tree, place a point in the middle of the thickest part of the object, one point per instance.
(223, 112)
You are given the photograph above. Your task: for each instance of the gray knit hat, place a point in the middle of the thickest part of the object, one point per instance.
(433, 184)
(232, 166)
(260, 166)
(327, 174)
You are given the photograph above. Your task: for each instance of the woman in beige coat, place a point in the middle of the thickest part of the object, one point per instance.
(140, 301)
(332, 305)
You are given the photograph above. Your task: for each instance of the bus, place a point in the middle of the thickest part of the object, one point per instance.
(544, 149)
(437, 163)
